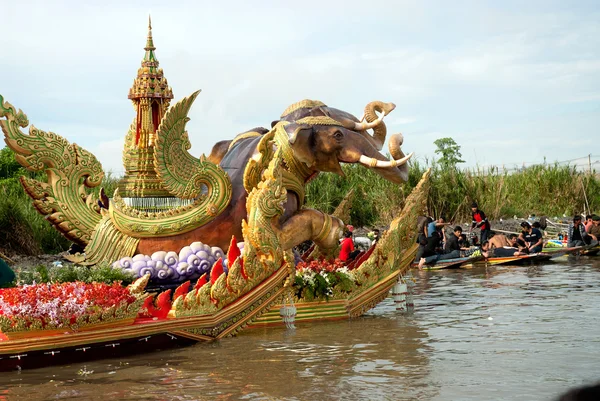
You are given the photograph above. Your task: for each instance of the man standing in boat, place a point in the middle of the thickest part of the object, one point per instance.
(533, 238)
(480, 221)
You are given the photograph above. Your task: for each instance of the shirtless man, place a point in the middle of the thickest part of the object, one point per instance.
(498, 241)
(501, 252)
(594, 230)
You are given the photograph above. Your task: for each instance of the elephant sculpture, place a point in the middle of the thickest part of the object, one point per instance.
(310, 137)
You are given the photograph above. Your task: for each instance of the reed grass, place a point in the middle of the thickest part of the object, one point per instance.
(551, 190)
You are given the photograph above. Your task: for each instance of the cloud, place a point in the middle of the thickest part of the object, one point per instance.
(471, 71)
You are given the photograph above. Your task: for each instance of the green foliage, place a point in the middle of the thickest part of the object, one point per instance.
(449, 151)
(322, 286)
(376, 200)
(103, 273)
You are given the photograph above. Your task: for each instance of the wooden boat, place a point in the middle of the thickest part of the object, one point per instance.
(580, 250)
(253, 187)
(516, 260)
(449, 263)
(593, 251)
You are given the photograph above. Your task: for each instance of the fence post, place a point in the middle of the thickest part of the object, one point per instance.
(590, 162)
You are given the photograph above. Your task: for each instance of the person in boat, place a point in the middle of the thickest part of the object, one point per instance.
(480, 221)
(501, 252)
(452, 246)
(594, 231)
(422, 223)
(437, 225)
(534, 241)
(376, 236)
(463, 241)
(433, 253)
(514, 242)
(498, 241)
(588, 222)
(576, 233)
(347, 251)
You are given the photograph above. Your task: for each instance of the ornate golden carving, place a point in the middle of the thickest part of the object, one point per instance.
(306, 103)
(262, 254)
(255, 167)
(69, 168)
(108, 243)
(319, 120)
(181, 173)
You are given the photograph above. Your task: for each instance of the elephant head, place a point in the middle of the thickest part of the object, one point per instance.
(323, 137)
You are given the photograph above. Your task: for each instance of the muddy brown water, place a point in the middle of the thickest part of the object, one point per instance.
(501, 333)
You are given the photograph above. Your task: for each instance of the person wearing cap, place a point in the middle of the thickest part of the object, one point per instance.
(480, 221)
(577, 234)
(534, 242)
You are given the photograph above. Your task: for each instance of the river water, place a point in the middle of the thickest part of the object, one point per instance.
(501, 333)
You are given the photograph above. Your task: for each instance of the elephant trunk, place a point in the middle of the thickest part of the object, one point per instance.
(395, 147)
(379, 130)
(396, 169)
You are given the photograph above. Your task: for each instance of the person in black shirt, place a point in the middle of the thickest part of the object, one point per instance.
(577, 234)
(452, 245)
(533, 238)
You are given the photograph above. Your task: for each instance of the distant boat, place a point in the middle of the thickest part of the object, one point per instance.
(510, 260)
(448, 263)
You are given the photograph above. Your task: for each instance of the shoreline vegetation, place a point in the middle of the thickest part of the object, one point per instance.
(550, 189)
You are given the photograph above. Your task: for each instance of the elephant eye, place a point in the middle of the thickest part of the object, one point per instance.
(338, 135)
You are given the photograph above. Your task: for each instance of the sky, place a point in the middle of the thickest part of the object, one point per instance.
(509, 81)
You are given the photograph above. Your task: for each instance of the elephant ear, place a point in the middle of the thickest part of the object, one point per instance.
(302, 142)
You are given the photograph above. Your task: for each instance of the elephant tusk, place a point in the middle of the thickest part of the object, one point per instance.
(371, 162)
(366, 125)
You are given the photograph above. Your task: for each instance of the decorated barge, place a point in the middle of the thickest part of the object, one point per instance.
(176, 220)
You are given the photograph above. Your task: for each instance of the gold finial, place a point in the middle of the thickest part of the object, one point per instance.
(149, 22)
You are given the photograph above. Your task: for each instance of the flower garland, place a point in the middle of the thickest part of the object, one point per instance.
(63, 305)
(322, 279)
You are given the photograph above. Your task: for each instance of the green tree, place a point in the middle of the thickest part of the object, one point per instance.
(449, 151)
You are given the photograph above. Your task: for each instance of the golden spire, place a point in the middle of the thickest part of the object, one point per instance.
(150, 81)
(150, 44)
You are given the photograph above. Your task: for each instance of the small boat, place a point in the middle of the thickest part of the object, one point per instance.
(516, 260)
(581, 250)
(449, 263)
(592, 251)
(558, 252)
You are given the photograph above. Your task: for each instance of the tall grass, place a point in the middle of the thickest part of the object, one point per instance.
(551, 190)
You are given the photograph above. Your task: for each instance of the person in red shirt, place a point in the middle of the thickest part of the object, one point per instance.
(480, 221)
(347, 253)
